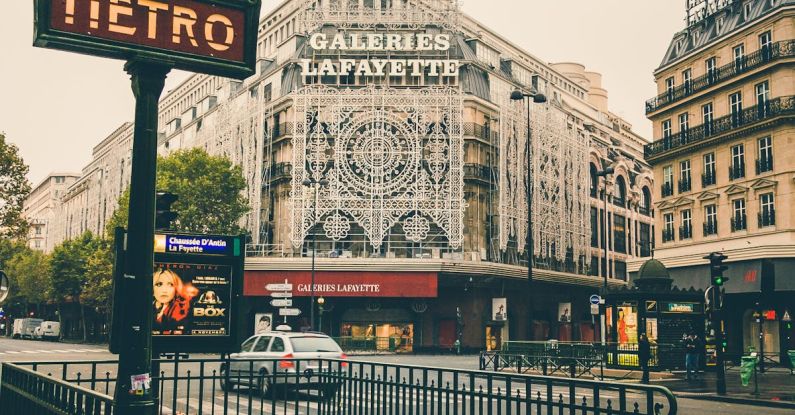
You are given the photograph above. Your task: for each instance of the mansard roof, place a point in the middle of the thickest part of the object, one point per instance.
(707, 31)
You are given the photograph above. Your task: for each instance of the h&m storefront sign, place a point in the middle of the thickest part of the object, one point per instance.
(345, 283)
(403, 55)
(210, 36)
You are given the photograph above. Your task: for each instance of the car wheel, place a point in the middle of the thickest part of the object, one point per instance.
(264, 385)
(226, 384)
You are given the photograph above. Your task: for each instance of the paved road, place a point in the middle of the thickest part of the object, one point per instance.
(209, 397)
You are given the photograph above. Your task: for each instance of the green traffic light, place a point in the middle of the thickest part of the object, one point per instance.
(718, 281)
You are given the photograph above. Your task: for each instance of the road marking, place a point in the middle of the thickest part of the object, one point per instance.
(13, 352)
(44, 351)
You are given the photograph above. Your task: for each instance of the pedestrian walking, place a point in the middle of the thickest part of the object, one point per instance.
(644, 354)
(691, 356)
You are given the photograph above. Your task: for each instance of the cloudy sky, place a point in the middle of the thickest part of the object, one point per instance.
(56, 105)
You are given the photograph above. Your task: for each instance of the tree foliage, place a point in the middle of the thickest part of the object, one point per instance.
(98, 287)
(69, 264)
(210, 190)
(31, 271)
(14, 188)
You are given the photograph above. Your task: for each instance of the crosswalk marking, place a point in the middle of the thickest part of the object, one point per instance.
(42, 351)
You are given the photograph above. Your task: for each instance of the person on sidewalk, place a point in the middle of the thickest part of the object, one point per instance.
(691, 356)
(644, 354)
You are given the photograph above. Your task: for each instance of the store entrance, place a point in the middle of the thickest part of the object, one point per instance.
(493, 337)
(392, 337)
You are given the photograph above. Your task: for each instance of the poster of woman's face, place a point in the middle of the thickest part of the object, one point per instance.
(190, 299)
(499, 309)
(263, 323)
(564, 312)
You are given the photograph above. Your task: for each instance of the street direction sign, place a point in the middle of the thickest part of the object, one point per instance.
(289, 312)
(282, 303)
(282, 295)
(595, 309)
(279, 287)
(594, 299)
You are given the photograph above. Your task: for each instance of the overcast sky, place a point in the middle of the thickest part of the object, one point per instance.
(56, 105)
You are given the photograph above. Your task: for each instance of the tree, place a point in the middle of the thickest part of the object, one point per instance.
(15, 303)
(98, 287)
(210, 190)
(14, 188)
(31, 270)
(68, 272)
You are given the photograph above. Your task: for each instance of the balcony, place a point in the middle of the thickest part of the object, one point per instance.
(781, 106)
(776, 51)
(737, 171)
(281, 130)
(708, 179)
(739, 223)
(767, 218)
(710, 228)
(764, 165)
(474, 171)
(481, 131)
(667, 189)
(685, 185)
(668, 235)
(685, 232)
(280, 171)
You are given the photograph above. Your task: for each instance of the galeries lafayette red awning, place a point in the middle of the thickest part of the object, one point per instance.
(345, 283)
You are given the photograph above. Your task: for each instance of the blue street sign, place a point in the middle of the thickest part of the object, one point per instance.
(595, 299)
(2, 313)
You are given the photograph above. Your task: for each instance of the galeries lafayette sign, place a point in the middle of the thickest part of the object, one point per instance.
(216, 37)
(345, 283)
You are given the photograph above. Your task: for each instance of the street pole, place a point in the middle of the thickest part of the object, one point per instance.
(133, 393)
(529, 228)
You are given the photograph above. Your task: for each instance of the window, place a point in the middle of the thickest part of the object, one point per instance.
(668, 181)
(668, 229)
(747, 10)
(706, 114)
(739, 57)
(686, 230)
(246, 346)
(687, 76)
(594, 228)
(737, 168)
(710, 220)
(314, 344)
(669, 86)
(767, 212)
(620, 198)
(644, 239)
(765, 161)
(262, 344)
(736, 108)
(38, 230)
(619, 234)
(645, 202)
(59, 179)
(766, 45)
(738, 218)
(684, 176)
(684, 125)
(594, 181)
(38, 244)
(708, 177)
(762, 98)
(277, 345)
(711, 65)
(666, 128)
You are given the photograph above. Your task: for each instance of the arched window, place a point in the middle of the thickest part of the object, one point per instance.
(620, 196)
(645, 203)
(594, 181)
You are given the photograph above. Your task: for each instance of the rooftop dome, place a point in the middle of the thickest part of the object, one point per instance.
(653, 276)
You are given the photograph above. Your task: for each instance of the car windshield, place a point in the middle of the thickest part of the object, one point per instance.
(314, 344)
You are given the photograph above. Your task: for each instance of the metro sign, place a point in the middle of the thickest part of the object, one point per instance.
(216, 37)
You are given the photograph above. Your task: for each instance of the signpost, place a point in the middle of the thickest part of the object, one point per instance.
(3, 286)
(289, 312)
(209, 36)
(282, 303)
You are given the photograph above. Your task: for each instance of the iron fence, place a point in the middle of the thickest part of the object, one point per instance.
(334, 386)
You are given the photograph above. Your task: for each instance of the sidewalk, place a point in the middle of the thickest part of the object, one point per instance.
(776, 388)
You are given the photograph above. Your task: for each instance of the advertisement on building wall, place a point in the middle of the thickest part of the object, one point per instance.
(499, 309)
(191, 299)
(627, 324)
(263, 323)
(564, 312)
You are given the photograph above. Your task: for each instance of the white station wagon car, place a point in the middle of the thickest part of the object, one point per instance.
(284, 359)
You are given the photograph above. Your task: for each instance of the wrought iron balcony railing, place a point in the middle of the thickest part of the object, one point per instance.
(668, 235)
(475, 171)
(280, 130)
(739, 223)
(281, 171)
(481, 131)
(710, 228)
(764, 165)
(708, 179)
(763, 56)
(667, 189)
(685, 185)
(644, 210)
(767, 218)
(775, 107)
(737, 171)
(685, 232)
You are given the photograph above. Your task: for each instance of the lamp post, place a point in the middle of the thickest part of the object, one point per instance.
(537, 98)
(604, 173)
(315, 185)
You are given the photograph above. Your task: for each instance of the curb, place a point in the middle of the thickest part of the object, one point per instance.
(742, 401)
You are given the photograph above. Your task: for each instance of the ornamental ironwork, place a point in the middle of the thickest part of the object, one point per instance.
(391, 156)
(393, 14)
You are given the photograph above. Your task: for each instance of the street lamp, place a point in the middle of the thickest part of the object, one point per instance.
(315, 184)
(604, 173)
(320, 302)
(537, 98)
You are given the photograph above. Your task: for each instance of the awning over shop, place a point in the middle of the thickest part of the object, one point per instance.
(345, 283)
(744, 277)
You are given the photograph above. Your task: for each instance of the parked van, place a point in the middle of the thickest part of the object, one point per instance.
(25, 328)
(49, 330)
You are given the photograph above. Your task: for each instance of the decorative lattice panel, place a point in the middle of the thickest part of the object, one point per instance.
(391, 156)
(392, 14)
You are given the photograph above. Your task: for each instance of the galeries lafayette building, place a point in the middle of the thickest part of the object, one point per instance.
(398, 157)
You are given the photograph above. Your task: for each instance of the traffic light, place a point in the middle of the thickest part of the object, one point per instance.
(716, 269)
(163, 214)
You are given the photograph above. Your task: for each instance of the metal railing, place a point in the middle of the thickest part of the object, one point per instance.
(764, 165)
(335, 386)
(25, 391)
(708, 179)
(767, 217)
(739, 223)
(778, 50)
(710, 228)
(667, 189)
(780, 106)
(481, 131)
(265, 250)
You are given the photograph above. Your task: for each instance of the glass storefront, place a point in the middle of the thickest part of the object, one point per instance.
(393, 337)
